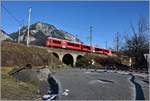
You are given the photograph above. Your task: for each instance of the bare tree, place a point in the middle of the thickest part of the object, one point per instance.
(137, 45)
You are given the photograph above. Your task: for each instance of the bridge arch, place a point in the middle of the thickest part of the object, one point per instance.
(55, 54)
(68, 59)
(79, 57)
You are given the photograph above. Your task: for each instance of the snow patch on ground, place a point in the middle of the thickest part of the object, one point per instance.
(65, 93)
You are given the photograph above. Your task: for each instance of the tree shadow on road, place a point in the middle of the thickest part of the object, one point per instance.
(138, 88)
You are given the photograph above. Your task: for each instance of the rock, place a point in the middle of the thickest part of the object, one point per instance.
(36, 76)
(42, 74)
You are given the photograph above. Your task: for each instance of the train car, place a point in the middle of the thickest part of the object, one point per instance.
(110, 52)
(59, 43)
(93, 49)
(73, 45)
(99, 50)
(63, 43)
(106, 51)
(86, 48)
(47, 43)
(54, 42)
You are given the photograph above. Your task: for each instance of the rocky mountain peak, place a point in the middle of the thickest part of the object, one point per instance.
(39, 31)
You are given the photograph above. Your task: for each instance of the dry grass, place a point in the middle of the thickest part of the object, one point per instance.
(12, 90)
(13, 54)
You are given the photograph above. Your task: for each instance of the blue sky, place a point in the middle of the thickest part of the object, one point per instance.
(107, 18)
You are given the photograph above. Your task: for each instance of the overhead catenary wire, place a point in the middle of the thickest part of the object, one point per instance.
(10, 14)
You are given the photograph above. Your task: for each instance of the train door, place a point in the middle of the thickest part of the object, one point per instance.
(63, 44)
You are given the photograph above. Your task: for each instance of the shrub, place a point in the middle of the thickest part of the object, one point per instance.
(108, 61)
(83, 62)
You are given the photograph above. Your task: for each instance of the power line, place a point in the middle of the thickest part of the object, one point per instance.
(11, 14)
(16, 20)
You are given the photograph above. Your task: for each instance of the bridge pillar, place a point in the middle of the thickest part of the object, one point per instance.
(75, 60)
(61, 57)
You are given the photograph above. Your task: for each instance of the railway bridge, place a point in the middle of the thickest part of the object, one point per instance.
(67, 56)
(69, 52)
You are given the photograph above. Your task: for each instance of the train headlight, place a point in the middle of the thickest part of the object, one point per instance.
(63, 46)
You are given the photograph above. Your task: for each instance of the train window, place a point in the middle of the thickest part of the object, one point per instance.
(97, 49)
(56, 42)
(88, 47)
(106, 51)
(76, 45)
(72, 44)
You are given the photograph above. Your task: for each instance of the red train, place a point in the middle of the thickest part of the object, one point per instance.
(59, 43)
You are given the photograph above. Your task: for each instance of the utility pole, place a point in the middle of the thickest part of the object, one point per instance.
(19, 35)
(76, 37)
(91, 35)
(147, 56)
(91, 45)
(117, 39)
(106, 44)
(28, 27)
(51, 41)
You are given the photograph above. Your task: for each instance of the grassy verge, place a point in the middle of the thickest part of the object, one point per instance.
(12, 90)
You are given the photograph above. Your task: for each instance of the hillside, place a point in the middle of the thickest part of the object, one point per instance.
(39, 31)
(13, 54)
(28, 86)
(4, 35)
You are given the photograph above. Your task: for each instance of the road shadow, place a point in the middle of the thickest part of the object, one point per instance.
(107, 81)
(53, 86)
(138, 89)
